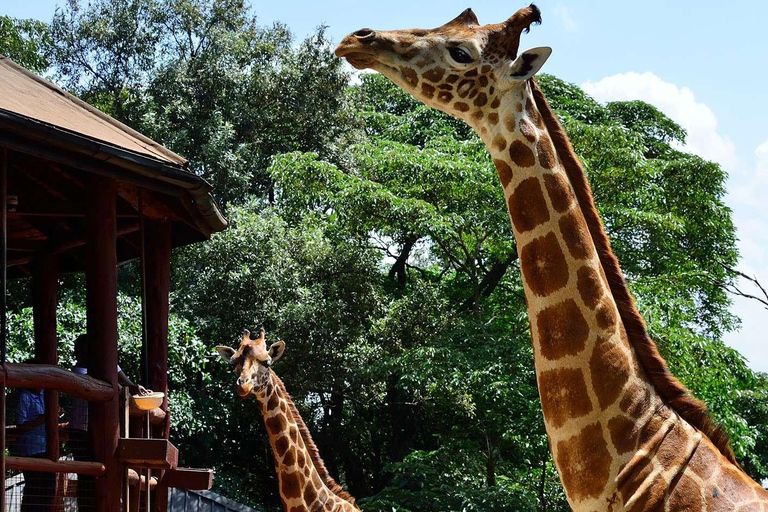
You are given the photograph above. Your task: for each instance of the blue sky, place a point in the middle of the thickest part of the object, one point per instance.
(701, 63)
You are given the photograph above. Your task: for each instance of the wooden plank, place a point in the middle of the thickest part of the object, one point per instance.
(189, 478)
(44, 376)
(51, 466)
(148, 453)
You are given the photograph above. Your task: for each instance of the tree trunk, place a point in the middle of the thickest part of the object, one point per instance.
(398, 269)
(490, 281)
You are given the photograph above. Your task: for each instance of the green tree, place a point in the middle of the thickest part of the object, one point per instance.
(25, 42)
(204, 79)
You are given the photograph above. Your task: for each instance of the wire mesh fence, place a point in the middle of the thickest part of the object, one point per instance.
(42, 491)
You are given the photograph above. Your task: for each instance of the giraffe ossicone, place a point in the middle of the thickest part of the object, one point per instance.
(624, 433)
(304, 481)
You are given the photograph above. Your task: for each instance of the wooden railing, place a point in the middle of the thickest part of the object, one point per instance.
(48, 376)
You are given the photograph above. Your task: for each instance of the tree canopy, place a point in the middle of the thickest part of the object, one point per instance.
(369, 232)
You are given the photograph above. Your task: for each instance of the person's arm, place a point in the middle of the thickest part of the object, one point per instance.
(123, 380)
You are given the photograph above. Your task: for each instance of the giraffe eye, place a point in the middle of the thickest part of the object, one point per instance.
(460, 55)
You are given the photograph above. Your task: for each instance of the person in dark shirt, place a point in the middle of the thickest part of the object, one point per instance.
(79, 439)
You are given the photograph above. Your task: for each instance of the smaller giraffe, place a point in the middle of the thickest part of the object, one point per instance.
(305, 484)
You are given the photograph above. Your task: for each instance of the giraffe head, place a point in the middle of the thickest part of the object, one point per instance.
(252, 361)
(462, 68)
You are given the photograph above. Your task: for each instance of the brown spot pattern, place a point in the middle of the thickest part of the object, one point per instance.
(584, 462)
(635, 401)
(495, 103)
(521, 154)
(563, 395)
(290, 457)
(281, 445)
(686, 495)
(622, 434)
(444, 97)
(543, 264)
(526, 205)
(493, 118)
(480, 100)
(546, 152)
(464, 87)
(505, 172)
(509, 123)
(610, 370)
(428, 90)
(499, 143)
(461, 106)
(533, 114)
(273, 402)
(559, 191)
(275, 424)
(409, 76)
(606, 315)
(527, 129)
(310, 495)
(589, 286)
(562, 330)
(434, 74)
(290, 484)
(451, 79)
(576, 235)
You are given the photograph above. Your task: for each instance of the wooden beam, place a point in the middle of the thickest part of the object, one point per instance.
(148, 453)
(134, 479)
(153, 208)
(157, 275)
(51, 466)
(101, 305)
(43, 376)
(189, 478)
(45, 285)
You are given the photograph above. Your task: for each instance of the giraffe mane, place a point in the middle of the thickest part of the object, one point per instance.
(670, 389)
(314, 453)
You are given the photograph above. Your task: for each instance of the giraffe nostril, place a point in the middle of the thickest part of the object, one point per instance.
(364, 34)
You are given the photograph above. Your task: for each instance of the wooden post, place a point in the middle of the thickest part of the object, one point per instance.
(3, 305)
(101, 304)
(45, 284)
(157, 274)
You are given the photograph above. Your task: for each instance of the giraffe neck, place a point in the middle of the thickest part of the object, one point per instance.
(593, 391)
(303, 485)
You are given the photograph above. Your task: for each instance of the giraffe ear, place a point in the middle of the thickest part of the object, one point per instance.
(226, 353)
(529, 63)
(276, 351)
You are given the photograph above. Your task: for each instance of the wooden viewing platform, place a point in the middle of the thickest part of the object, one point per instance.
(82, 192)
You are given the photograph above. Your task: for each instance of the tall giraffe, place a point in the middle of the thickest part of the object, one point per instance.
(305, 484)
(624, 433)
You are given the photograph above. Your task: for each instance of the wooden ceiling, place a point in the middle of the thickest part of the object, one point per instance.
(46, 215)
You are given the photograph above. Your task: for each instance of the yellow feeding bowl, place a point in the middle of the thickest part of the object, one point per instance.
(149, 402)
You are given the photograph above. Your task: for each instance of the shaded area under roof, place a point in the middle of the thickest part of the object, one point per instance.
(54, 142)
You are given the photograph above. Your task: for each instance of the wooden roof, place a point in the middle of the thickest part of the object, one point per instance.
(54, 142)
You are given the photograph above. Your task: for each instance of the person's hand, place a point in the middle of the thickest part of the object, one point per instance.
(140, 390)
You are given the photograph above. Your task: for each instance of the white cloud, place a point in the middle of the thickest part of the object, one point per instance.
(747, 197)
(678, 103)
(746, 189)
(563, 12)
